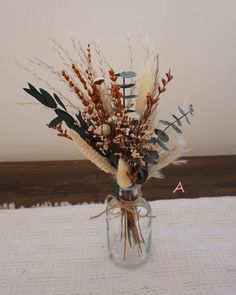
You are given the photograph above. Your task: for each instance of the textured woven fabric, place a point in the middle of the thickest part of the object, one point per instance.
(59, 251)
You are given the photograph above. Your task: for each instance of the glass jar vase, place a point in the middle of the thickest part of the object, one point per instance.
(129, 227)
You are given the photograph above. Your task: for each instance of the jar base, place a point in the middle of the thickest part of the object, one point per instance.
(133, 257)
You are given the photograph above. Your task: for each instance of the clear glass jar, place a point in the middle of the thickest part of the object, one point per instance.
(129, 227)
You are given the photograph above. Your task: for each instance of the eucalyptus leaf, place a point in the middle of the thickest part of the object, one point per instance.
(161, 144)
(151, 157)
(59, 101)
(152, 140)
(126, 85)
(177, 120)
(187, 120)
(55, 122)
(181, 110)
(165, 122)
(176, 128)
(191, 109)
(161, 135)
(126, 74)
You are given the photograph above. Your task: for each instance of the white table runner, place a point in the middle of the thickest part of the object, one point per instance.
(59, 251)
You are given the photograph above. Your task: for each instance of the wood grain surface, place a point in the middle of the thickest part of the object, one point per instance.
(29, 183)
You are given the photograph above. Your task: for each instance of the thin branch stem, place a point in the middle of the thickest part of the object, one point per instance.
(176, 121)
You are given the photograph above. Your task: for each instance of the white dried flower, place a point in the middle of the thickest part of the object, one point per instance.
(103, 130)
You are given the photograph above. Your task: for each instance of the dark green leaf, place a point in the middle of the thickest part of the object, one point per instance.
(64, 116)
(176, 128)
(78, 129)
(162, 135)
(161, 144)
(113, 160)
(127, 74)
(126, 85)
(33, 92)
(164, 122)
(83, 124)
(134, 122)
(181, 110)
(177, 120)
(55, 122)
(117, 191)
(59, 101)
(48, 99)
(32, 88)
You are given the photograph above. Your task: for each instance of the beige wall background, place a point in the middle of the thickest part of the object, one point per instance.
(195, 38)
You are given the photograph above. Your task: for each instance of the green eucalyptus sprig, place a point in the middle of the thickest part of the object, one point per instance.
(162, 136)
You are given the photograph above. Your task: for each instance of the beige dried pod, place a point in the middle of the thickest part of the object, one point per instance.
(123, 179)
(103, 130)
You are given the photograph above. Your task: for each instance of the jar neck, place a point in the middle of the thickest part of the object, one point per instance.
(130, 193)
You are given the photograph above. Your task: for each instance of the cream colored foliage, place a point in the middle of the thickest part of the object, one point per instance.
(123, 179)
(145, 85)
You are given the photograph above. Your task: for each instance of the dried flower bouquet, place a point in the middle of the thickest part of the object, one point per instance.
(113, 124)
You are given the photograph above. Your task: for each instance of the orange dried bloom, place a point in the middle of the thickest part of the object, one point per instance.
(112, 75)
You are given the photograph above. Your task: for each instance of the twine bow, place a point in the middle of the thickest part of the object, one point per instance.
(127, 206)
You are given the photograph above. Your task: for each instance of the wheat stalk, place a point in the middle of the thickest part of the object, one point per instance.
(100, 161)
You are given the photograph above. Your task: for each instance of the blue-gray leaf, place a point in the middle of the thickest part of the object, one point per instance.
(151, 157)
(161, 144)
(164, 122)
(161, 135)
(126, 74)
(191, 109)
(126, 85)
(176, 128)
(177, 120)
(187, 120)
(153, 140)
(181, 110)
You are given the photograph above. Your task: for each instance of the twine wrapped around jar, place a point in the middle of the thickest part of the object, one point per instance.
(126, 212)
(125, 205)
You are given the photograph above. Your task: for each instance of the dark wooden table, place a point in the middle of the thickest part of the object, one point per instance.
(29, 183)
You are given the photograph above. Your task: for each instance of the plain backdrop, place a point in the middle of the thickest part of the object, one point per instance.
(195, 38)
